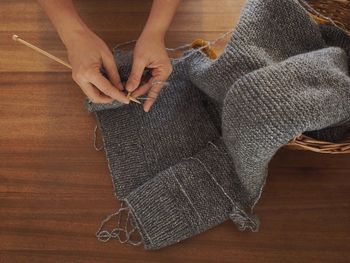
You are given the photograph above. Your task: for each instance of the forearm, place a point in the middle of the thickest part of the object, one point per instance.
(64, 17)
(160, 17)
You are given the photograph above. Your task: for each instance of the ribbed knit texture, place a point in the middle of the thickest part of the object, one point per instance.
(201, 155)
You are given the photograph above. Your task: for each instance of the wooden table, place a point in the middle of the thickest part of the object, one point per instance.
(55, 188)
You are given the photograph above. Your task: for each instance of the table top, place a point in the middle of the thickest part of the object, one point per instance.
(55, 188)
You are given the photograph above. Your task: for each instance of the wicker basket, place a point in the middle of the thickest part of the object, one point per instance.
(335, 12)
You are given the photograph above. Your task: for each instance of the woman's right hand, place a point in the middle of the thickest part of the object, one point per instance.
(87, 54)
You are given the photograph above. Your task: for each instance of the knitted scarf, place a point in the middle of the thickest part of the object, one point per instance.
(200, 156)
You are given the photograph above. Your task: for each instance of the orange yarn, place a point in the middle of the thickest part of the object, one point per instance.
(209, 51)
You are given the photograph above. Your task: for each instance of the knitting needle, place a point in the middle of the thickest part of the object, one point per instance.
(43, 52)
(132, 98)
(18, 39)
(129, 97)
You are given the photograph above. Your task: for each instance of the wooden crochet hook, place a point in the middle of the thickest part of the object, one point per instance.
(43, 52)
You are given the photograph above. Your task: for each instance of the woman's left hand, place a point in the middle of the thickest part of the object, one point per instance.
(149, 52)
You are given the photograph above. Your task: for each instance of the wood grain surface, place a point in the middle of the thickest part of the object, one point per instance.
(55, 188)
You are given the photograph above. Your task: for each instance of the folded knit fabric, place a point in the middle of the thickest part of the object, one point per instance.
(200, 156)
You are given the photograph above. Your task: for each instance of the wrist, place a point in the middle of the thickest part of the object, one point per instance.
(72, 35)
(153, 34)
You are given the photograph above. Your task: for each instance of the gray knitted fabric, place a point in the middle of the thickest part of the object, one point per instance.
(200, 156)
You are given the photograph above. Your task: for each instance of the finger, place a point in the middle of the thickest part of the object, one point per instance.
(106, 87)
(142, 89)
(95, 95)
(153, 94)
(135, 75)
(112, 71)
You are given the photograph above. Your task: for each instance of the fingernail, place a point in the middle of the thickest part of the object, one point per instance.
(130, 88)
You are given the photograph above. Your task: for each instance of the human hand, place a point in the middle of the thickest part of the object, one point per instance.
(149, 53)
(87, 53)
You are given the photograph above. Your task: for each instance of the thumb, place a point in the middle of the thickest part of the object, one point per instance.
(134, 79)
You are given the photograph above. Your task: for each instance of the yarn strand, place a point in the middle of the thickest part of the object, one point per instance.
(104, 235)
(97, 148)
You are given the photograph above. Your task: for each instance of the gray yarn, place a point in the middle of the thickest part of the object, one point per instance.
(201, 155)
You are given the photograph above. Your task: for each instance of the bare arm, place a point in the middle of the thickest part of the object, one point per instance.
(66, 21)
(86, 52)
(150, 51)
(160, 17)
